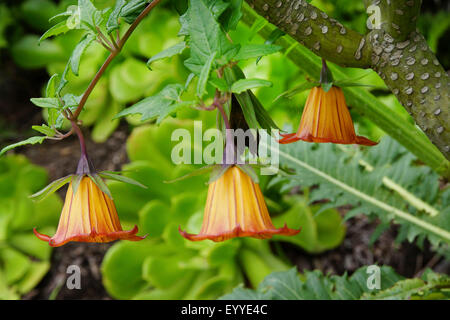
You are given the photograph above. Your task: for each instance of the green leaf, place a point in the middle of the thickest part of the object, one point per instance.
(32, 140)
(262, 116)
(250, 51)
(205, 37)
(46, 102)
(158, 106)
(273, 37)
(118, 177)
(204, 75)
(44, 129)
(78, 52)
(232, 14)
(132, 9)
(55, 30)
(246, 84)
(101, 184)
(50, 90)
(245, 101)
(51, 188)
(90, 16)
(169, 52)
(200, 171)
(296, 90)
(113, 20)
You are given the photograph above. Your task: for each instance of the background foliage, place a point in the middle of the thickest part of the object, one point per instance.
(131, 88)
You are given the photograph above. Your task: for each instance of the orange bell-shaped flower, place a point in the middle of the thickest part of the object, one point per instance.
(88, 215)
(326, 119)
(236, 208)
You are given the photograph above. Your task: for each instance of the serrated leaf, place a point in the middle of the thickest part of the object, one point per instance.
(32, 140)
(247, 84)
(205, 37)
(51, 188)
(158, 106)
(169, 52)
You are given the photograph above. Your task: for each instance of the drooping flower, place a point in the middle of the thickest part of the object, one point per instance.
(326, 119)
(88, 215)
(235, 207)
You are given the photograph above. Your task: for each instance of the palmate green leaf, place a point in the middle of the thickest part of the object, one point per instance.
(342, 181)
(32, 140)
(247, 84)
(51, 188)
(169, 52)
(158, 106)
(205, 37)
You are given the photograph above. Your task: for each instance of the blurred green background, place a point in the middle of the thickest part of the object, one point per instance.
(165, 266)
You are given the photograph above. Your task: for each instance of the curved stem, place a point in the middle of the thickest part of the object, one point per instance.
(312, 27)
(113, 54)
(77, 130)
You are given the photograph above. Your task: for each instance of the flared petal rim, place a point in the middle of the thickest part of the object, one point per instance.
(94, 237)
(237, 232)
(293, 137)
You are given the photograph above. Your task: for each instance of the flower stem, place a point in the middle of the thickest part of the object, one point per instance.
(112, 55)
(77, 130)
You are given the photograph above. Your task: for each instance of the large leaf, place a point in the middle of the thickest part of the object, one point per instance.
(205, 37)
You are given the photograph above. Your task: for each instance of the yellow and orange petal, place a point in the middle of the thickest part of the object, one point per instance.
(235, 207)
(326, 119)
(89, 215)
